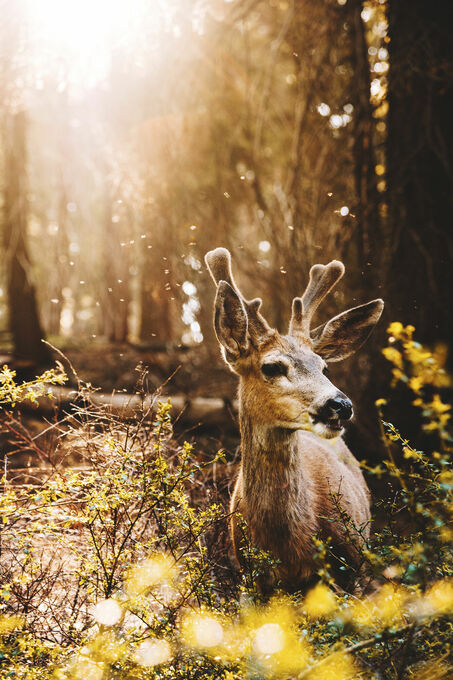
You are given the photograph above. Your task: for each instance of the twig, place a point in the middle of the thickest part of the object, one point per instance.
(356, 648)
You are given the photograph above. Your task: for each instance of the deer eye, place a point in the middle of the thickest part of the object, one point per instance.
(274, 369)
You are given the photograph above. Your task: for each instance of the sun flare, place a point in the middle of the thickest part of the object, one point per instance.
(82, 36)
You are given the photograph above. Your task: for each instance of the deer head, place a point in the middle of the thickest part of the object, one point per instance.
(283, 381)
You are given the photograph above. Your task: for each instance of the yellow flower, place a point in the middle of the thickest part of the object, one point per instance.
(395, 329)
(384, 608)
(416, 384)
(203, 629)
(276, 639)
(432, 670)
(410, 453)
(446, 534)
(338, 666)
(149, 573)
(438, 406)
(87, 669)
(9, 623)
(446, 478)
(320, 602)
(397, 373)
(394, 356)
(389, 604)
(440, 597)
(152, 652)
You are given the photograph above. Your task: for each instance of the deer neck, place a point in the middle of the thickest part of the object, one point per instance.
(277, 493)
(271, 459)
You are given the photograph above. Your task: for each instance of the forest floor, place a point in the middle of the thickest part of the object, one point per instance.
(109, 367)
(189, 371)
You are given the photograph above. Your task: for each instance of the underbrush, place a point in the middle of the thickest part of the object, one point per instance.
(120, 567)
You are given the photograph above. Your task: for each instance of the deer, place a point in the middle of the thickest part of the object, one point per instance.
(297, 477)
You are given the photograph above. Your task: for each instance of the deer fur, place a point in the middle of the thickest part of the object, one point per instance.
(296, 474)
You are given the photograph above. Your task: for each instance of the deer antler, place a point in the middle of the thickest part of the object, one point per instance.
(218, 262)
(322, 279)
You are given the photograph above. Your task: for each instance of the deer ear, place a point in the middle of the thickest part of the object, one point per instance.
(344, 334)
(230, 322)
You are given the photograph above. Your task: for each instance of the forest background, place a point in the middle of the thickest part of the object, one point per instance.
(135, 139)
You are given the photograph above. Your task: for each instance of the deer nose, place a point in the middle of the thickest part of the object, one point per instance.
(340, 406)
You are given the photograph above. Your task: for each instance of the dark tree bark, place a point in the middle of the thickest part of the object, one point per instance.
(366, 371)
(366, 208)
(420, 166)
(24, 319)
(116, 276)
(156, 324)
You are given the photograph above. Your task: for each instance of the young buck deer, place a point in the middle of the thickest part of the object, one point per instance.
(297, 477)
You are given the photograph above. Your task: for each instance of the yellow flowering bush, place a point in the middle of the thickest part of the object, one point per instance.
(121, 568)
(12, 392)
(423, 372)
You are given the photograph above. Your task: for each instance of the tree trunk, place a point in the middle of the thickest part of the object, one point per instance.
(420, 166)
(156, 310)
(365, 385)
(23, 311)
(366, 208)
(116, 268)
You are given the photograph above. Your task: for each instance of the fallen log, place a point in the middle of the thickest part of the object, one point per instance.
(203, 411)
